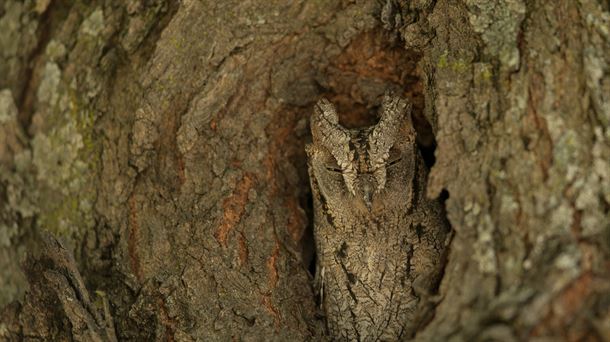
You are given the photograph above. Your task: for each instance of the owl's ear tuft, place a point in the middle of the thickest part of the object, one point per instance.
(325, 127)
(327, 133)
(394, 110)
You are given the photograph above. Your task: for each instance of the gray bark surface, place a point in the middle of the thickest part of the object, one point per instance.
(162, 143)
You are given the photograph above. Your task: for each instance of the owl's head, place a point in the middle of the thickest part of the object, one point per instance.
(369, 169)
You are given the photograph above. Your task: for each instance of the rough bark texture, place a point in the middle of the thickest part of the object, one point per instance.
(163, 143)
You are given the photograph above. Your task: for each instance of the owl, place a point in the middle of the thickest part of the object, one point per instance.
(379, 240)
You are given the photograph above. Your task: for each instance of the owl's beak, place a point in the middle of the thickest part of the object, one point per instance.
(368, 186)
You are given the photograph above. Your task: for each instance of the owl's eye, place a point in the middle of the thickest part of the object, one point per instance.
(394, 162)
(334, 169)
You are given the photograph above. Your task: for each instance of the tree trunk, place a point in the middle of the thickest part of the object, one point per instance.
(161, 143)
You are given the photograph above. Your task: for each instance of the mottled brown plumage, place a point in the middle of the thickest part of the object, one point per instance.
(379, 240)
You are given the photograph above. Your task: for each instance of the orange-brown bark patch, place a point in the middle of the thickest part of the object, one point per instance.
(272, 310)
(234, 208)
(272, 266)
(565, 312)
(166, 321)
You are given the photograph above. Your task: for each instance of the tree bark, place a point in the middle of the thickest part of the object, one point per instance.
(162, 142)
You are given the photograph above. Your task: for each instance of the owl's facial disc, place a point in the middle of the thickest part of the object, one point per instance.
(362, 157)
